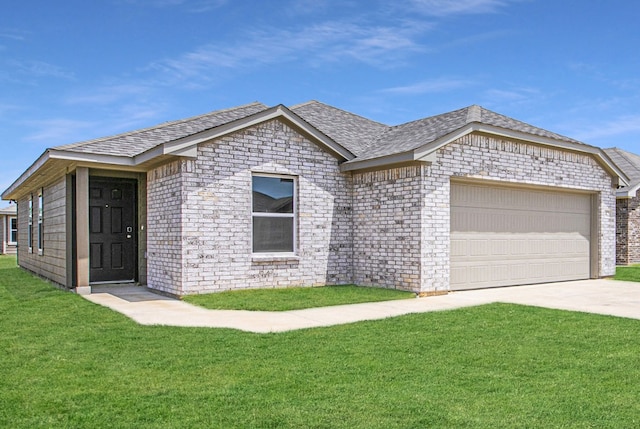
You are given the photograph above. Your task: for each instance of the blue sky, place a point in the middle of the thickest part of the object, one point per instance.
(76, 70)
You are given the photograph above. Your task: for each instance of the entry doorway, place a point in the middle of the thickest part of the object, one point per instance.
(112, 230)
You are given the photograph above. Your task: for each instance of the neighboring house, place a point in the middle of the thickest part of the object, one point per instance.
(627, 207)
(9, 233)
(260, 197)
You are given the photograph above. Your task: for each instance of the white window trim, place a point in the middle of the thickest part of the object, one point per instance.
(10, 230)
(277, 255)
(40, 238)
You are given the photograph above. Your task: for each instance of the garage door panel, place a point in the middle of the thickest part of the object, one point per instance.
(506, 236)
(518, 221)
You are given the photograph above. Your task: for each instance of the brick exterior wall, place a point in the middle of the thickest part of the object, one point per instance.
(199, 215)
(52, 263)
(387, 219)
(622, 228)
(165, 196)
(386, 228)
(628, 230)
(402, 215)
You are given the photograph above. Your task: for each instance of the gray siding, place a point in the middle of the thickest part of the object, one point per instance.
(51, 264)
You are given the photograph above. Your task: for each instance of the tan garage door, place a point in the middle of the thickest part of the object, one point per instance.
(503, 236)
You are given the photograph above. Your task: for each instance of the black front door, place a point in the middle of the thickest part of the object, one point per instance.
(112, 230)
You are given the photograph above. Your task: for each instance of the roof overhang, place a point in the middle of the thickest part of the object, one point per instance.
(185, 147)
(627, 192)
(426, 152)
(55, 163)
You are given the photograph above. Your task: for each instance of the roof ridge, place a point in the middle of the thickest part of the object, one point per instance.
(474, 113)
(157, 126)
(304, 103)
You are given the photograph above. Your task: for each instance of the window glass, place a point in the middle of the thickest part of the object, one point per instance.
(272, 234)
(273, 214)
(272, 195)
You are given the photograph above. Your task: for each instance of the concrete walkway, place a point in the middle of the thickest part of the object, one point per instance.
(593, 296)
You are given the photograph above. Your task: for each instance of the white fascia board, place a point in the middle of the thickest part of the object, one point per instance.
(92, 158)
(184, 144)
(378, 162)
(148, 155)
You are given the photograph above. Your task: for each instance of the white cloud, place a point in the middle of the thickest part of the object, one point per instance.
(328, 42)
(108, 94)
(619, 126)
(515, 95)
(57, 131)
(194, 6)
(40, 69)
(306, 7)
(430, 86)
(12, 34)
(457, 7)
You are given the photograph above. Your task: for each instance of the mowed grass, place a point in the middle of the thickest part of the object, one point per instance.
(295, 298)
(630, 273)
(65, 362)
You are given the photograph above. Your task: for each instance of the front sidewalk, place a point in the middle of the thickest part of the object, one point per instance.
(602, 296)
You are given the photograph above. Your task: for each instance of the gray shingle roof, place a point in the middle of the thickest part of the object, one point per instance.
(351, 131)
(363, 137)
(139, 141)
(412, 135)
(628, 162)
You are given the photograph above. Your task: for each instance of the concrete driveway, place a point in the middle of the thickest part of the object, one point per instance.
(608, 297)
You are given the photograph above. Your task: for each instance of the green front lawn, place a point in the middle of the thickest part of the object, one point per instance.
(295, 298)
(65, 362)
(630, 273)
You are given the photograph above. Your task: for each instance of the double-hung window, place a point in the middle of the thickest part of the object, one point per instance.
(274, 214)
(40, 215)
(30, 225)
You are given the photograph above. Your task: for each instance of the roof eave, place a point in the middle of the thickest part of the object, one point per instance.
(57, 154)
(628, 192)
(372, 163)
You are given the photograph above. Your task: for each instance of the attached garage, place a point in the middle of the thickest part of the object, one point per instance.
(505, 236)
